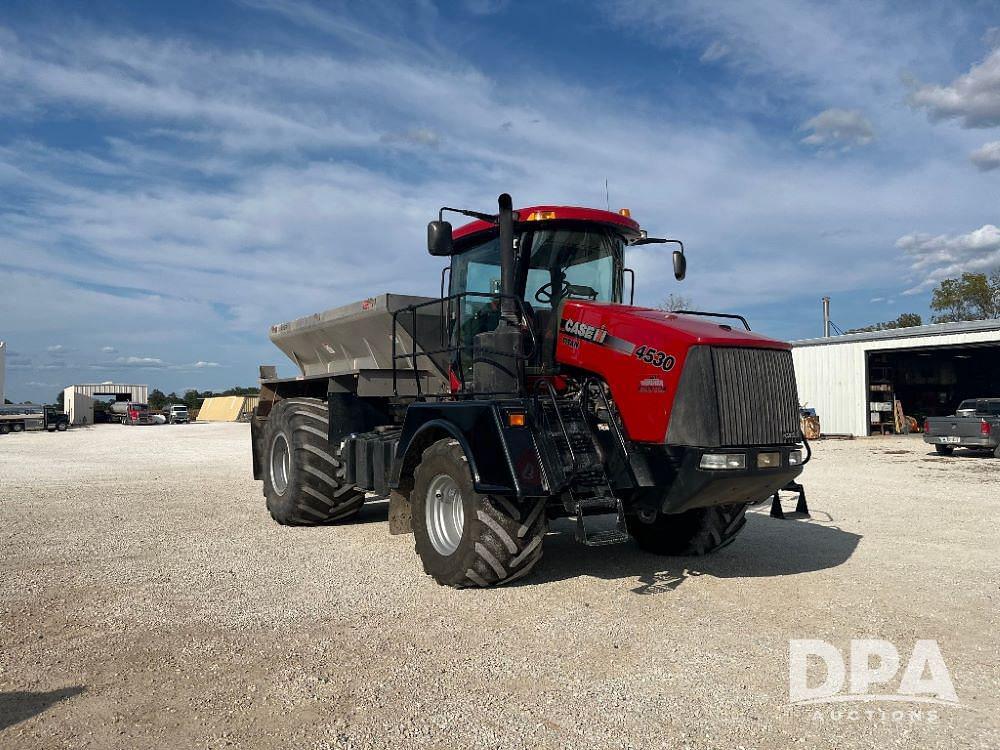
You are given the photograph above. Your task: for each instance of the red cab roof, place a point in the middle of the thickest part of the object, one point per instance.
(555, 213)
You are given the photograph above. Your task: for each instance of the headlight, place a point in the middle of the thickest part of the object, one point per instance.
(723, 461)
(795, 458)
(768, 460)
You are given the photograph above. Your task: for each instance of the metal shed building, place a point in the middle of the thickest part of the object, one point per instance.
(928, 369)
(78, 400)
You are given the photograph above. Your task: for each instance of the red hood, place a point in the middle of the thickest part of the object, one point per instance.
(695, 329)
(640, 353)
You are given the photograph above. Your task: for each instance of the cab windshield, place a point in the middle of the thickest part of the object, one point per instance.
(577, 263)
(573, 263)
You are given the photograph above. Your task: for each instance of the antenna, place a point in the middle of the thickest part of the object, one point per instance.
(607, 196)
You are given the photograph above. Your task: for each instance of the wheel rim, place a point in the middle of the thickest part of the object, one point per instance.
(280, 463)
(445, 514)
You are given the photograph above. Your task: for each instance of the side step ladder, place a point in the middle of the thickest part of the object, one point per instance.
(590, 492)
(600, 537)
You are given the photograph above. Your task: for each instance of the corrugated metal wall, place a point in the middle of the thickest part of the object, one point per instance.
(831, 380)
(831, 377)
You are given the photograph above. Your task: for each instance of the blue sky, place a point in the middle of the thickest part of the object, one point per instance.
(175, 177)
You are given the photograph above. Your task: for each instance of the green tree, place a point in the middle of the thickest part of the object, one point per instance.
(241, 391)
(192, 398)
(906, 320)
(974, 296)
(157, 399)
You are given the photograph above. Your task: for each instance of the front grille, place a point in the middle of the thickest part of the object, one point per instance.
(757, 399)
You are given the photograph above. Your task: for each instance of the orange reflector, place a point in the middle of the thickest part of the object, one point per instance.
(625, 212)
(541, 215)
(515, 419)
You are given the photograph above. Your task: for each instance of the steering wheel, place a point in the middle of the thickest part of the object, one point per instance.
(545, 292)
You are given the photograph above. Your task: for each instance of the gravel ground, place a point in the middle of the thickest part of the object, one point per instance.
(148, 601)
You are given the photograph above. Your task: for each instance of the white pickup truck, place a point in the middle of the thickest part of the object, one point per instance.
(976, 425)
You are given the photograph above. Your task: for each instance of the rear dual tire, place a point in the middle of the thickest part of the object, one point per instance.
(466, 539)
(303, 474)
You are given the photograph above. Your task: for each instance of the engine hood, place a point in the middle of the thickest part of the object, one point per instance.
(691, 329)
(640, 353)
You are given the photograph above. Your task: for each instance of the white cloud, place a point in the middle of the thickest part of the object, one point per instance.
(140, 361)
(937, 257)
(838, 128)
(200, 364)
(484, 7)
(829, 52)
(108, 349)
(987, 157)
(973, 98)
(714, 52)
(418, 137)
(55, 348)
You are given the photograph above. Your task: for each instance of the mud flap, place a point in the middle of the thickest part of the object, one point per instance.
(400, 520)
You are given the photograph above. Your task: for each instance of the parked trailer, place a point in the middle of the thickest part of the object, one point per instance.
(23, 417)
(531, 390)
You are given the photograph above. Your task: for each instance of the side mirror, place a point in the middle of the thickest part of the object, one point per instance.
(680, 265)
(439, 238)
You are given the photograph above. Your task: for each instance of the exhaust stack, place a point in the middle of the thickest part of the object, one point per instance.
(826, 317)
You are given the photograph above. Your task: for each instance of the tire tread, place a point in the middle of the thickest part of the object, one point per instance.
(319, 494)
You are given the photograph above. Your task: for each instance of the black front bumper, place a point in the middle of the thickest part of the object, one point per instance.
(694, 487)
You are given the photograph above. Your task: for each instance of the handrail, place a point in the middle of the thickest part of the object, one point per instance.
(562, 424)
(457, 349)
(714, 315)
(611, 415)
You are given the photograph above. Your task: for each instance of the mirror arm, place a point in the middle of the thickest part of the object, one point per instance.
(656, 241)
(489, 218)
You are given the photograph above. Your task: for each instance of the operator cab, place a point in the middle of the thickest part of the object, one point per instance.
(555, 259)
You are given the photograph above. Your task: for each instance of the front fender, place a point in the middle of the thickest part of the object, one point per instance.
(502, 460)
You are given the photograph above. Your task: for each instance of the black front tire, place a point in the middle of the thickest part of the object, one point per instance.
(309, 489)
(62, 427)
(501, 539)
(699, 531)
(17, 428)
(944, 450)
